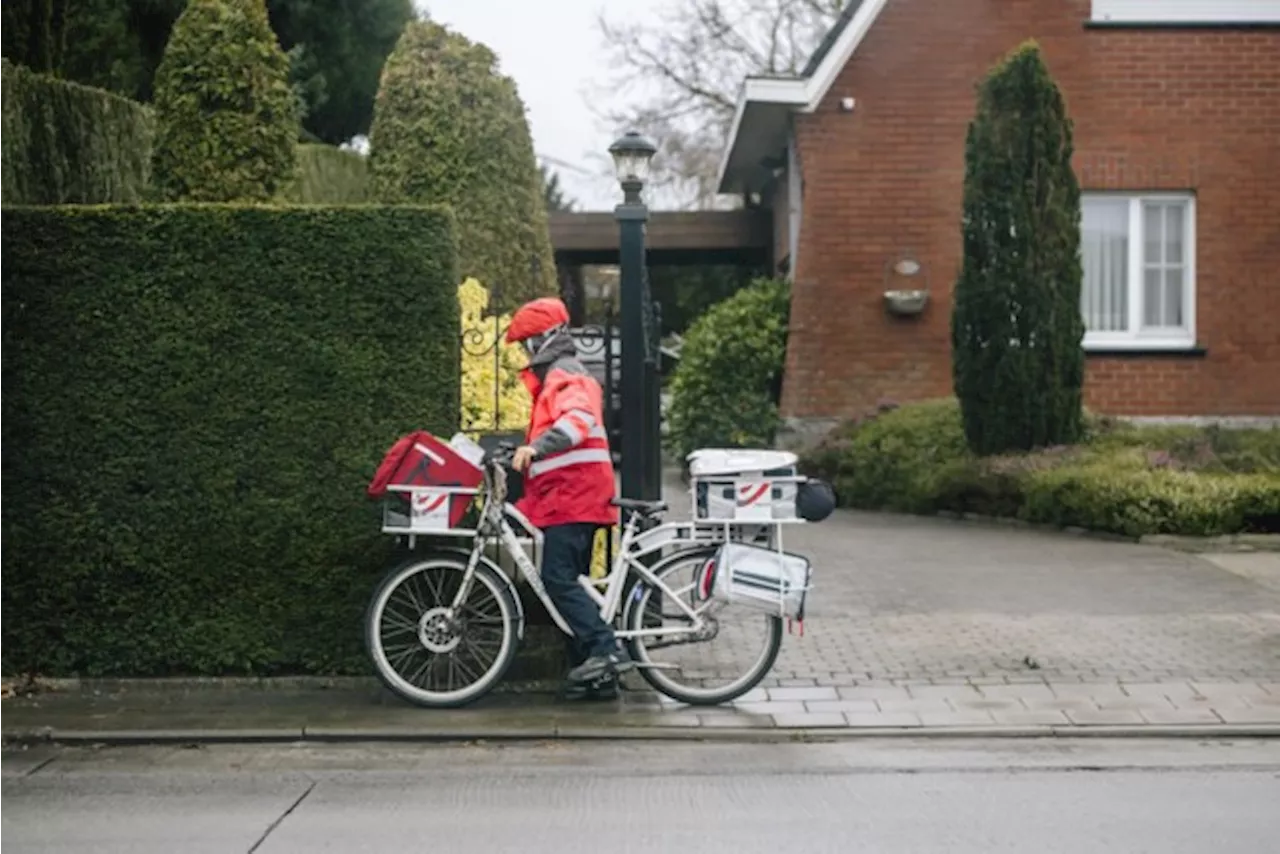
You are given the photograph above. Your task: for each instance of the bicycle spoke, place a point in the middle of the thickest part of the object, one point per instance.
(437, 589)
(400, 622)
(426, 665)
(468, 672)
(407, 652)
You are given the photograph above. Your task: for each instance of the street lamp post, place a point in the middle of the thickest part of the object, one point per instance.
(631, 156)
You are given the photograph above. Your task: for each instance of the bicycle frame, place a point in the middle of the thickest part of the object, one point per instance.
(634, 546)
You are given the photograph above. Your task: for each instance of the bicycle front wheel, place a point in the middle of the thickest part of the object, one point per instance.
(427, 652)
(729, 658)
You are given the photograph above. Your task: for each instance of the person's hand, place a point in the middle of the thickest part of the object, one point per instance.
(523, 456)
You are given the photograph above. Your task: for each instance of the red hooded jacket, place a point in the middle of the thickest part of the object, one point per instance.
(574, 483)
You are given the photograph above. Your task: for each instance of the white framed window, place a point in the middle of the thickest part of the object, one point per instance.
(1186, 11)
(1138, 253)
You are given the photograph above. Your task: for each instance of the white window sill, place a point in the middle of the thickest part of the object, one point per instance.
(1142, 347)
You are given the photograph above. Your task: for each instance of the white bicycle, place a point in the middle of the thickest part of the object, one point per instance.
(443, 628)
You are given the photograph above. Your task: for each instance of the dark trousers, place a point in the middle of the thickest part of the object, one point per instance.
(566, 555)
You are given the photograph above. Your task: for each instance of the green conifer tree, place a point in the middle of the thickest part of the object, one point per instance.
(1016, 324)
(226, 114)
(449, 129)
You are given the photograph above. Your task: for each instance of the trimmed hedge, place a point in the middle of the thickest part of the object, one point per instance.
(1122, 479)
(448, 128)
(726, 388)
(64, 143)
(226, 114)
(329, 176)
(195, 398)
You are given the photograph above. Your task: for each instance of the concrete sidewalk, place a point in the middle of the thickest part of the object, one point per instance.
(369, 714)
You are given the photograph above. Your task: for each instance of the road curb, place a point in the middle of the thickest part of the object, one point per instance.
(334, 735)
(256, 684)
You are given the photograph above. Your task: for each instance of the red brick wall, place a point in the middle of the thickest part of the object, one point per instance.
(1154, 110)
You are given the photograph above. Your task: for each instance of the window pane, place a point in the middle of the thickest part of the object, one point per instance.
(1152, 297)
(1152, 233)
(1164, 273)
(1104, 245)
(1173, 297)
(1175, 222)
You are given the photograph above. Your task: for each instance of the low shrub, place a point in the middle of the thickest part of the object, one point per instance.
(70, 144)
(892, 459)
(1125, 479)
(726, 387)
(195, 398)
(1136, 502)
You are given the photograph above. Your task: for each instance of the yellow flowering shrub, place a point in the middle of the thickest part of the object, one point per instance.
(482, 373)
(599, 569)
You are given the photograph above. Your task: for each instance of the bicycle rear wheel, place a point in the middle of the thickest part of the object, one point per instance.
(428, 657)
(739, 650)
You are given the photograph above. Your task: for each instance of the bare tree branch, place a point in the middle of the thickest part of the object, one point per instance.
(678, 77)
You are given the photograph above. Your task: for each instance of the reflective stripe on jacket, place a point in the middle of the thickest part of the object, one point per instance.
(575, 484)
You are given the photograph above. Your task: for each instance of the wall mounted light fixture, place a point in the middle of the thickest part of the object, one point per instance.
(902, 270)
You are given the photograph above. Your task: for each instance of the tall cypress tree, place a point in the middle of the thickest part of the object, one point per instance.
(449, 128)
(1016, 325)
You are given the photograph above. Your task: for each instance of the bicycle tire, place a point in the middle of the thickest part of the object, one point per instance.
(632, 616)
(486, 575)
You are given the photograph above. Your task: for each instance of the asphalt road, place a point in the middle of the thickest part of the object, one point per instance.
(912, 796)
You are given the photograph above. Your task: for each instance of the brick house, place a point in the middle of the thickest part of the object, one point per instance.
(1176, 105)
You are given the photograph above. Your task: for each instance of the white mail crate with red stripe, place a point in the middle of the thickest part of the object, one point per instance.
(744, 485)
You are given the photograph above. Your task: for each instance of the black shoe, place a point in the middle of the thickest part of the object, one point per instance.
(598, 691)
(599, 666)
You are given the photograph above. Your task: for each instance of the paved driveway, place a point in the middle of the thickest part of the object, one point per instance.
(905, 598)
(927, 620)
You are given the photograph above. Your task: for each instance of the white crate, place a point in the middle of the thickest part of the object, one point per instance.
(762, 579)
(428, 509)
(744, 485)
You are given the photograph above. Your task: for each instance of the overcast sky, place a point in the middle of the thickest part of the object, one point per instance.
(554, 52)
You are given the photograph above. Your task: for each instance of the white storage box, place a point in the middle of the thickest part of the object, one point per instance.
(429, 509)
(759, 578)
(744, 485)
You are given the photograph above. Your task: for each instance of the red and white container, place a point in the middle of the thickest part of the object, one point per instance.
(744, 485)
(428, 484)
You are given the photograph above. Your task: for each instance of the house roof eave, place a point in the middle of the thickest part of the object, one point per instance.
(798, 94)
(760, 120)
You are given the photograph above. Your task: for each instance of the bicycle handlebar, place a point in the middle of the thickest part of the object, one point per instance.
(501, 455)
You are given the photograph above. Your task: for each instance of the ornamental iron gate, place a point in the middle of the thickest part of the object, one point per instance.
(503, 403)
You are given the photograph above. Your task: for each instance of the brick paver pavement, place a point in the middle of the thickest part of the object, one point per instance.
(919, 621)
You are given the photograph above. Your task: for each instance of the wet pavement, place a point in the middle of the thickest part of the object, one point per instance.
(296, 714)
(1060, 796)
(915, 624)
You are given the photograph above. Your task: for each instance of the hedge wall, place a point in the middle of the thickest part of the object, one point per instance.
(64, 143)
(194, 399)
(327, 175)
